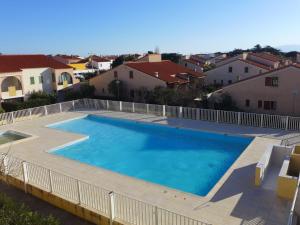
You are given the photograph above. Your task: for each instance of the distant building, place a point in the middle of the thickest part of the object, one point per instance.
(145, 74)
(275, 92)
(243, 66)
(20, 75)
(100, 63)
(197, 62)
(67, 59)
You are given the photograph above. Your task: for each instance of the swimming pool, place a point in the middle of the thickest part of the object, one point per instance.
(182, 159)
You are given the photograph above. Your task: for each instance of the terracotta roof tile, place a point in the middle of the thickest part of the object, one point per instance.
(166, 70)
(15, 63)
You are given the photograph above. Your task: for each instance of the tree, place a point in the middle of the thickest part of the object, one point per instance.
(124, 58)
(117, 89)
(174, 57)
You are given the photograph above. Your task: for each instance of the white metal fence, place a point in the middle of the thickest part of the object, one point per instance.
(112, 205)
(218, 116)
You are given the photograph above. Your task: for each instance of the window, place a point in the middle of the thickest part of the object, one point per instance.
(185, 65)
(222, 82)
(230, 69)
(270, 105)
(103, 90)
(40, 79)
(116, 74)
(259, 104)
(215, 82)
(31, 80)
(247, 103)
(246, 69)
(131, 74)
(132, 93)
(271, 81)
(230, 82)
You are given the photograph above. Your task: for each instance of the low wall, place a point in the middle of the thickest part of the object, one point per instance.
(73, 208)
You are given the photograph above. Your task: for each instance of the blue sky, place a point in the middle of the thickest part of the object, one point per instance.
(123, 26)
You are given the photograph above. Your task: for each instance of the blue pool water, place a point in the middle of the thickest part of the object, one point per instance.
(187, 160)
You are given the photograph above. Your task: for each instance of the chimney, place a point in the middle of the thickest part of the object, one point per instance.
(156, 74)
(244, 56)
(298, 58)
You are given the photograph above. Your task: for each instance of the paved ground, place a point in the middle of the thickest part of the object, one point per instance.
(234, 199)
(40, 206)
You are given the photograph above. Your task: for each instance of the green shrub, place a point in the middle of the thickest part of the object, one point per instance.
(12, 213)
(85, 91)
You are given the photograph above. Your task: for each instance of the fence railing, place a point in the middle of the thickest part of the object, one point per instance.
(211, 115)
(115, 206)
(218, 116)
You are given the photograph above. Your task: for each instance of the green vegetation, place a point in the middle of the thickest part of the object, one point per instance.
(124, 58)
(84, 91)
(174, 57)
(35, 99)
(12, 213)
(117, 89)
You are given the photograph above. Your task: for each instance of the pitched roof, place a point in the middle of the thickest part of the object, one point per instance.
(99, 59)
(15, 63)
(267, 56)
(68, 57)
(195, 62)
(166, 70)
(262, 74)
(255, 64)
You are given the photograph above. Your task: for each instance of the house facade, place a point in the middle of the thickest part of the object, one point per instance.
(144, 75)
(100, 63)
(273, 92)
(21, 75)
(242, 67)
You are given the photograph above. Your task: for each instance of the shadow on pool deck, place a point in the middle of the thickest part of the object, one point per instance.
(40, 206)
(255, 204)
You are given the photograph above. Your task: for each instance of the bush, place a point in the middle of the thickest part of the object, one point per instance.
(85, 91)
(12, 213)
(35, 99)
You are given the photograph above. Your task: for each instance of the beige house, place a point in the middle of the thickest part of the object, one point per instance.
(144, 75)
(273, 92)
(242, 67)
(20, 75)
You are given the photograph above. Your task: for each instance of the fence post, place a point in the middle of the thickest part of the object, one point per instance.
(60, 109)
(25, 175)
(164, 110)
(12, 117)
(78, 192)
(111, 207)
(287, 123)
(156, 215)
(73, 105)
(261, 120)
(180, 112)
(239, 118)
(5, 165)
(121, 106)
(218, 115)
(133, 109)
(46, 112)
(50, 181)
(147, 108)
(30, 113)
(197, 114)
(107, 104)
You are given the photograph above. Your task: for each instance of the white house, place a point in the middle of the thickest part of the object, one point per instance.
(100, 63)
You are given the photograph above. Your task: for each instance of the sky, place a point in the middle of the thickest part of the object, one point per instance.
(137, 26)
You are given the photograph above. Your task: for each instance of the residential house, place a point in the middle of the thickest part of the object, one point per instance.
(144, 75)
(100, 63)
(193, 62)
(20, 75)
(67, 59)
(276, 91)
(241, 67)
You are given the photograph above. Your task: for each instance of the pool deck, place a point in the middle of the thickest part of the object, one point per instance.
(233, 200)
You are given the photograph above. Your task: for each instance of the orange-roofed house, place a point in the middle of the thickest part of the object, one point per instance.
(20, 75)
(146, 73)
(274, 92)
(243, 66)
